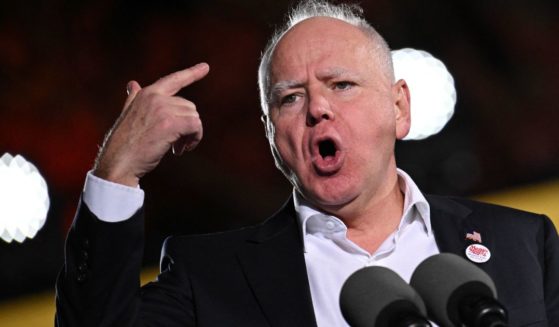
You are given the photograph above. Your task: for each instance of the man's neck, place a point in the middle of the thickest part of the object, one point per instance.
(370, 223)
(382, 218)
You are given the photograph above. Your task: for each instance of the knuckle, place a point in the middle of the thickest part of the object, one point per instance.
(191, 125)
(187, 104)
(196, 123)
(194, 114)
(190, 104)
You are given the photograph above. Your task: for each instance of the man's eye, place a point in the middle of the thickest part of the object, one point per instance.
(343, 85)
(288, 99)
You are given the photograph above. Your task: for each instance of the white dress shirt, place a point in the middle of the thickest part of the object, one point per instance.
(111, 202)
(330, 256)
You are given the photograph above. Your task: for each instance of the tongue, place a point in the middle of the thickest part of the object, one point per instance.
(329, 164)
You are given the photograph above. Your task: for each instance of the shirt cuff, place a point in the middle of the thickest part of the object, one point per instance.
(111, 202)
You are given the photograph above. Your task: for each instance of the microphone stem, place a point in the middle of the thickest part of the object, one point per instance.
(411, 320)
(493, 320)
(483, 312)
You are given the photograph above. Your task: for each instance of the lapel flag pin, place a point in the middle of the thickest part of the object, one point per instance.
(475, 236)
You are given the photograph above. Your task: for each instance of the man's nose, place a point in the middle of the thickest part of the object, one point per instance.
(319, 109)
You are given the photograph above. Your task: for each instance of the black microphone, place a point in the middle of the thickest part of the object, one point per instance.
(378, 297)
(458, 293)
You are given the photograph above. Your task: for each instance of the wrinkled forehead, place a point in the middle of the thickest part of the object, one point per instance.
(318, 38)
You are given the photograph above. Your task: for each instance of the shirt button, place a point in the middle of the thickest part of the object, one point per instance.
(330, 225)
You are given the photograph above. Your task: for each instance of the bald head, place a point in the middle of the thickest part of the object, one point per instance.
(345, 16)
(306, 42)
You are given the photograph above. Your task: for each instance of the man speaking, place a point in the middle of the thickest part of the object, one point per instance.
(332, 112)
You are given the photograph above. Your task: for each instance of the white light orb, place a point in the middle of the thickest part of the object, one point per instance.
(432, 91)
(24, 199)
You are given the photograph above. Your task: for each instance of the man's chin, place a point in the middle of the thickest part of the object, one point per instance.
(328, 201)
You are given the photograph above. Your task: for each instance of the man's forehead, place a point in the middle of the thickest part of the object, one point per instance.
(321, 36)
(323, 62)
(324, 47)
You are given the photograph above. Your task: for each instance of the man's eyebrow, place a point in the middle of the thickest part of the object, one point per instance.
(334, 72)
(281, 86)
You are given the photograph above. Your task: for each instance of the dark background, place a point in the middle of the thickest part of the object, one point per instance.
(64, 67)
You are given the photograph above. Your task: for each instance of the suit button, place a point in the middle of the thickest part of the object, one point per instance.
(82, 268)
(85, 243)
(84, 254)
(81, 278)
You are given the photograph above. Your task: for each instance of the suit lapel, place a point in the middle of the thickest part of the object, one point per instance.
(451, 221)
(274, 264)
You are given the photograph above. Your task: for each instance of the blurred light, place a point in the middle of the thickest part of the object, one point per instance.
(433, 95)
(24, 200)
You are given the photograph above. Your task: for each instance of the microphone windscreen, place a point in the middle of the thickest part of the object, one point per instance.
(445, 279)
(372, 294)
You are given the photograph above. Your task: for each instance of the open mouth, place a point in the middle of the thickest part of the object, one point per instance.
(327, 149)
(328, 157)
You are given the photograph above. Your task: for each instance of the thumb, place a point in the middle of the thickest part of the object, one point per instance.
(132, 88)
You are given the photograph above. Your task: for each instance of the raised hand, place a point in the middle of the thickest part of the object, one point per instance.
(153, 120)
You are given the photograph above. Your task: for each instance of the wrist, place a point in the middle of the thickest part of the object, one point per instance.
(114, 176)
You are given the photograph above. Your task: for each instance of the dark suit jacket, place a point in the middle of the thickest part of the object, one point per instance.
(257, 276)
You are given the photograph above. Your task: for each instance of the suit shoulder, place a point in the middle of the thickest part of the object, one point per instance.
(483, 209)
(232, 239)
(223, 239)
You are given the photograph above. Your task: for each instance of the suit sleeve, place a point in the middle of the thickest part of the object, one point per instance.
(551, 273)
(169, 301)
(99, 284)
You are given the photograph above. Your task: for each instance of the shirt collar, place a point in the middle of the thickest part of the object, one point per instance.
(413, 199)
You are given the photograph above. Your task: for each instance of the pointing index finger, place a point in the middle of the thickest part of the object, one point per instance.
(172, 83)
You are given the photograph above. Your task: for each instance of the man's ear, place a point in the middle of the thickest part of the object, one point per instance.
(264, 120)
(270, 133)
(268, 126)
(401, 96)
